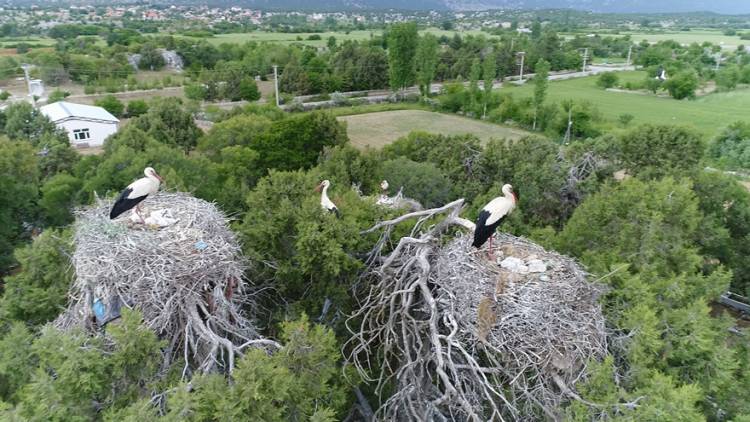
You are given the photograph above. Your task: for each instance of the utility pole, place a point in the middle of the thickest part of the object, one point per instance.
(718, 62)
(276, 83)
(585, 58)
(523, 55)
(630, 52)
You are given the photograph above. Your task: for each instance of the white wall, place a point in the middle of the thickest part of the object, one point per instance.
(98, 130)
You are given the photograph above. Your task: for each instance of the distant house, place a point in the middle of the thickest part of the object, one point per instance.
(87, 126)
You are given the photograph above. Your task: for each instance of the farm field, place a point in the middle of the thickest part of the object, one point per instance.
(688, 37)
(378, 129)
(708, 114)
(291, 38)
(4, 42)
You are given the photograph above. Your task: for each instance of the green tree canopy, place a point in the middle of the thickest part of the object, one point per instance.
(426, 62)
(402, 47)
(650, 151)
(682, 85)
(19, 179)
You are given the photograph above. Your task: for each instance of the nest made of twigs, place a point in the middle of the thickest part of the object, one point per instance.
(460, 336)
(185, 278)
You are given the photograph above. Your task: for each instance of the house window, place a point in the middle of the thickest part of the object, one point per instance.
(81, 134)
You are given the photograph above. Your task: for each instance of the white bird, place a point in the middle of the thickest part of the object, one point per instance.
(384, 186)
(326, 202)
(136, 192)
(492, 215)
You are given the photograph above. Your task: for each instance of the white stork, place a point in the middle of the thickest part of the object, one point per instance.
(492, 215)
(325, 202)
(136, 192)
(384, 187)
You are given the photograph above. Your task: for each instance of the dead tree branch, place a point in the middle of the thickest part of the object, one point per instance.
(457, 337)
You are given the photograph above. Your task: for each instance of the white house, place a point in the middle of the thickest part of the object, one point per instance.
(87, 126)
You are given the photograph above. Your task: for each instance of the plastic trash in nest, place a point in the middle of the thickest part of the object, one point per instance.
(200, 245)
(158, 218)
(105, 313)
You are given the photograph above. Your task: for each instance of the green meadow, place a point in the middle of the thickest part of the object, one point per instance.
(708, 114)
(688, 37)
(302, 38)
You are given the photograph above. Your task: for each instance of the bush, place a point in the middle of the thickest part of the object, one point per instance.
(195, 91)
(111, 104)
(728, 77)
(57, 95)
(249, 89)
(339, 99)
(625, 119)
(745, 75)
(4, 95)
(314, 37)
(136, 108)
(89, 89)
(607, 80)
(682, 85)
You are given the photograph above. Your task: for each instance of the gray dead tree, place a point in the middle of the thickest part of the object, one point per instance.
(450, 335)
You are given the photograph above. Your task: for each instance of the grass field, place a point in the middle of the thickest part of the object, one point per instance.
(709, 114)
(28, 40)
(286, 38)
(382, 128)
(688, 37)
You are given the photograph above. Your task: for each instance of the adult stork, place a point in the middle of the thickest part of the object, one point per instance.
(492, 215)
(136, 192)
(326, 202)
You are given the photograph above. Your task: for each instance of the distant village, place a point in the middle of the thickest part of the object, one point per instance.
(49, 16)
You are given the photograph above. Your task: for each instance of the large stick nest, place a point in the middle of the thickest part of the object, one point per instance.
(449, 334)
(186, 278)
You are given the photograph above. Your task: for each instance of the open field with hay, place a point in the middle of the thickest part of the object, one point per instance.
(381, 128)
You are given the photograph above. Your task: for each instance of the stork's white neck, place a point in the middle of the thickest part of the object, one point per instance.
(507, 193)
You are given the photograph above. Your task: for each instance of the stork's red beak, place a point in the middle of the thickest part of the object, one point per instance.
(158, 177)
(319, 188)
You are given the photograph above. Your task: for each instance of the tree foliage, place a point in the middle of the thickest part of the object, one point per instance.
(656, 151)
(426, 62)
(607, 80)
(112, 105)
(402, 48)
(19, 178)
(732, 147)
(682, 85)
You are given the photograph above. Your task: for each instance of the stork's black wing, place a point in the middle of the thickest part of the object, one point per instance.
(482, 232)
(124, 203)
